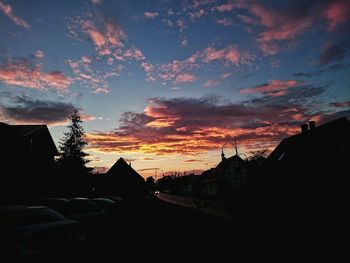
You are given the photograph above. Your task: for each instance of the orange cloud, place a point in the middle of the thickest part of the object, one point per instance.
(194, 126)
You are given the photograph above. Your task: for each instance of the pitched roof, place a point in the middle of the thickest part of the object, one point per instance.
(327, 140)
(25, 130)
(123, 172)
(226, 162)
(29, 131)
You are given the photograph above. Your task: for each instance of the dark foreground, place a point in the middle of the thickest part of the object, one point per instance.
(153, 226)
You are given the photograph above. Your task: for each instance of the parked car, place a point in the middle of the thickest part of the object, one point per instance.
(89, 214)
(107, 204)
(36, 230)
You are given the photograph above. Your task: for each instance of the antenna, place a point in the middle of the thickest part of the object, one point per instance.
(236, 146)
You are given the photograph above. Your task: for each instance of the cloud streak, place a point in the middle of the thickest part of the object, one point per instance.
(7, 10)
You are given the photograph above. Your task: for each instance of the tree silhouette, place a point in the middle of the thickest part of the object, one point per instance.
(150, 183)
(72, 157)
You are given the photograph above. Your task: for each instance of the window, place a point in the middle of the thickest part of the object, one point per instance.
(282, 155)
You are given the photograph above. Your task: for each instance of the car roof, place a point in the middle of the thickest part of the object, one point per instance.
(21, 207)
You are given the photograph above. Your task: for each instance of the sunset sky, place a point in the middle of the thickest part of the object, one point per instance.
(165, 84)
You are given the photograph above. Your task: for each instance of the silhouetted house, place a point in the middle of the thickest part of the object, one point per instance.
(232, 175)
(38, 146)
(227, 178)
(209, 183)
(314, 151)
(309, 170)
(123, 180)
(233, 170)
(27, 155)
(190, 184)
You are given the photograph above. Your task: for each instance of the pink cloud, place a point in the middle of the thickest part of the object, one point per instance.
(212, 83)
(281, 25)
(107, 37)
(226, 7)
(57, 80)
(23, 74)
(7, 10)
(134, 53)
(101, 90)
(150, 14)
(86, 75)
(197, 14)
(226, 75)
(248, 19)
(229, 56)
(185, 78)
(274, 88)
(225, 21)
(148, 68)
(337, 12)
(86, 60)
(211, 54)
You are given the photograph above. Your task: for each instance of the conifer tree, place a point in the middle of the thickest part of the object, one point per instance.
(72, 156)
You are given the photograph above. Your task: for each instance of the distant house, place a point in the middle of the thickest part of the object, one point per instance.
(209, 183)
(123, 180)
(190, 184)
(233, 170)
(227, 177)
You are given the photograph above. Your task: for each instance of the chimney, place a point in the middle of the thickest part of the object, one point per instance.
(312, 125)
(304, 127)
(130, 164)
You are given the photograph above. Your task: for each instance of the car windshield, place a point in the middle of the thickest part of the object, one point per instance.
(31, 216)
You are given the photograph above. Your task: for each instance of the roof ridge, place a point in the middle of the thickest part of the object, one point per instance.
(34, 130)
